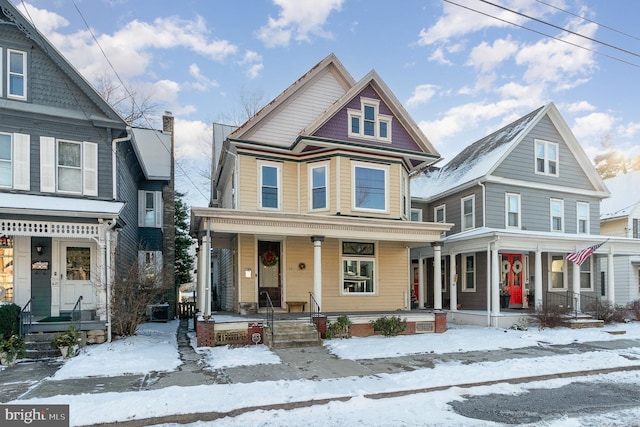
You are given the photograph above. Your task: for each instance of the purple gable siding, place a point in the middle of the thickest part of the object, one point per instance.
(337, 126)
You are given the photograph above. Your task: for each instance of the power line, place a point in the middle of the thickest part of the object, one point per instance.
(589, 20)
(561, 28)
(544, 34)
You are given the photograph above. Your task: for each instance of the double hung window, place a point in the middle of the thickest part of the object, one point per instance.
(270, 193)
(16, 74)
(150, 209)
(68, 166)
(370, 187)
(513, 210)
(468, 212)
(582, 215)
(547, 158)
(469, 277)
(318, 183)
(557, 215)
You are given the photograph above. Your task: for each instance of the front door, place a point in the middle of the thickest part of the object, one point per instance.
(78, 275)
(512, 271)
(269, 273)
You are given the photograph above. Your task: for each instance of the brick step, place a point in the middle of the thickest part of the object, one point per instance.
(288, 334)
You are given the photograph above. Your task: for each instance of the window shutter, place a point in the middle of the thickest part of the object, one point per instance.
(636, 228)
(47, 164)
(159, 209)
(21, 169)
(90, 168)
(141, 208)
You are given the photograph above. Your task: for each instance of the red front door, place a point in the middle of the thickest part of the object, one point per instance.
(512, 271)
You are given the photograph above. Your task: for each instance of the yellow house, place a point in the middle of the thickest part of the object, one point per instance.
(312, 203)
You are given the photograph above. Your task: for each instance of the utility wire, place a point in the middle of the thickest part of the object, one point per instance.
(589, 20)
(544, 34)
(561, 28)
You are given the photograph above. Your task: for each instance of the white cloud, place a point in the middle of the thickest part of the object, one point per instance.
(578, 107)
(298, 19)
(193, 139)
(202, 82)
(422, 94)
(254, 71)
(438, 56)
(629, 130)
(592, 128)
(487, 57)
(46, 21)
(254, 63)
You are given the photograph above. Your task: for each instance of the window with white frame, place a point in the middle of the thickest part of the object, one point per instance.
(557, 214)
(370, 187)
(469, 273)
(150, 209)
(318, 183)
(546, 158)
(16, 74)
(512, 202)
(358, 268)
(416, 214)
(443, 274)
(68, 166)
(586, 279)
(406, 201)
(468, 214)
(368, 122)
(14, 161)
(150, 263)
(582, 215)
(556, 272)
(270, 185)
(440, 214)
(636, 228)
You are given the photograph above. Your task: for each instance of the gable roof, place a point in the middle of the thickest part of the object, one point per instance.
(153, 148)
(478, 161)
(111, 118)
(624, 196)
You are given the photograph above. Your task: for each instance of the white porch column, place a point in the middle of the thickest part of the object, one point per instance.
(421, 290)
(611, 288)
(453, 276)
(207, 274)
(200, 277)
(575, 285)
(495, 281)
(537, 272)
(317, 270)
(437, 275)
(103, 268)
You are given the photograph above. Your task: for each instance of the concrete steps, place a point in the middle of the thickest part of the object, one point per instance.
(291, 334)
(38, 346)
(582, 321)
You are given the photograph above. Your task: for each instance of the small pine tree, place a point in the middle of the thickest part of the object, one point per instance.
(184, 260)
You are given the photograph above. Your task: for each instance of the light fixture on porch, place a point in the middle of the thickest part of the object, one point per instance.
(247, 273)
(39, 249)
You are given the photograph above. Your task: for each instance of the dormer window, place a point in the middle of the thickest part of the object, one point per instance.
(368, 122)
(546, 158)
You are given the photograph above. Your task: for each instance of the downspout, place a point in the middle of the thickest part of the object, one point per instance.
(489, 284)
(108, 281)
(114, 149)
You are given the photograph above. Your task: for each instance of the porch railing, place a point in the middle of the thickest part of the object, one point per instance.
(572, 303)
(186, 309)
(270, 313)
(76, 314)
(314, 309)
(26, 319)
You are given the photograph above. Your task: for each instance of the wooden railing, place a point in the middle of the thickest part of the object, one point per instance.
(186, 309)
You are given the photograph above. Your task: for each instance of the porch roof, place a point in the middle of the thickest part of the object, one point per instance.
(30, 204)
(226, 222)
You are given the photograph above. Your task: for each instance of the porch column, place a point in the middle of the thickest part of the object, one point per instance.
(101, 294)
(611, 289)
(575, 281)
(453, 292)
(495, 281)
(421, 290)
(317, 270)
(537, 272)
(437, 275)
(200, 277)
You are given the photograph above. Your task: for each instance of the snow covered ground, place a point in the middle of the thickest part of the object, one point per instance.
(155, 349)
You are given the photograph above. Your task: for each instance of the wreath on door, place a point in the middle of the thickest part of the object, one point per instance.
(517, 266)
(269, 258)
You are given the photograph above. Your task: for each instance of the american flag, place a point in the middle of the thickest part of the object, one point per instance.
(580, 256)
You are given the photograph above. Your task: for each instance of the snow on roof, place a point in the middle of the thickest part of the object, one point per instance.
(474, 162)
(63, 206)
(624, 196)
(153, 148)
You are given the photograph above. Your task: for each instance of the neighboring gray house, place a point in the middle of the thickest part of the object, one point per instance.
(620, 217)
(75, 184)
(520, 199)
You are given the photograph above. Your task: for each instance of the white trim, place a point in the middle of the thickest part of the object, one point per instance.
(588, 219)
(464, 287)
(551, 228)
(23, 75)
(546, 158)
(507, 211)
(540, 186)
(21, 161)
(444, 213)
(589, 262)
(310, 168)
(565, 279)
(363, 165)
(278, 167)
(378, 118)
(463, 226)
(368, 258)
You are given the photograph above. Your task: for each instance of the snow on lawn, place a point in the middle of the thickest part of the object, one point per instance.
(471, 338)
(230, 357)
(153, 348)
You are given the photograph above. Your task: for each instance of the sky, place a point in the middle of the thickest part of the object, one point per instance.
(461, 68)
(154, 348)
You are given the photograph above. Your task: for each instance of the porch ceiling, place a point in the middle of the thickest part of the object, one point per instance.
(225, 222)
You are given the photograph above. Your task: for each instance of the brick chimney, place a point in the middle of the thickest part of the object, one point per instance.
(169, 228)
